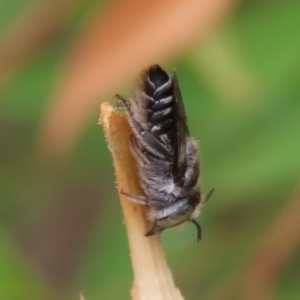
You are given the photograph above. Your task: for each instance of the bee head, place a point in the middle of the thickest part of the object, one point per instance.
(175, 219)
(195, 198)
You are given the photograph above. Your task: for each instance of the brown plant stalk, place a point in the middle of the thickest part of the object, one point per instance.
(152, 276)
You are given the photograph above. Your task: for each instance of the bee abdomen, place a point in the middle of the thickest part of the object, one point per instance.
(164, 127)
(158, 87)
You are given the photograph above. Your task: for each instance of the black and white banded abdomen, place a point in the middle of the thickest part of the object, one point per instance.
(153, 103)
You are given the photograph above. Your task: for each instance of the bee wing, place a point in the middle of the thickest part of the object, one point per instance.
(181, 134)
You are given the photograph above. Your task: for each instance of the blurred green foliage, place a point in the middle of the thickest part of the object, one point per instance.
(61, 226)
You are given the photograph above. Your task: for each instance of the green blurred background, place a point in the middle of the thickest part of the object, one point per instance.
(61, 226)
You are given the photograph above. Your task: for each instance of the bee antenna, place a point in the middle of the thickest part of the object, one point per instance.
(209, 195)
(198, 229)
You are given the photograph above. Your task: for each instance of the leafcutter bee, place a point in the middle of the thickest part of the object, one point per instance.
(166, 155)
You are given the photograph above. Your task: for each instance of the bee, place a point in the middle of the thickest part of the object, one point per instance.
(166, 155)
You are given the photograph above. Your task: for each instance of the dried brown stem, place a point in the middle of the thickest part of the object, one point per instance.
(152, 276)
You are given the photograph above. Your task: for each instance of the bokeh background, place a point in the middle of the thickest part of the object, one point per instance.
(61, 226)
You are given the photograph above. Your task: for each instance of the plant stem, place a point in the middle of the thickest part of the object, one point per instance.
(152, 276)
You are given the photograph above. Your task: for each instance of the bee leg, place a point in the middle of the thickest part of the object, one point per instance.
(143, 200)
(137, 199)
(192, 168)
(137, 151)
(147, 140)
(155, 229)
(198, 229)
(122, 102)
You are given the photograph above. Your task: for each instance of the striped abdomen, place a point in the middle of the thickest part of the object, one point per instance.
(153, 104)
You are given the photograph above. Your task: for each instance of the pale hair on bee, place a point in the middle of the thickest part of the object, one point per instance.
(166, 155)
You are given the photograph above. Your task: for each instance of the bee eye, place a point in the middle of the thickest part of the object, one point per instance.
(194, 200)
